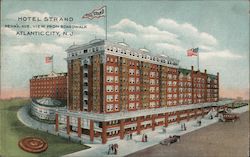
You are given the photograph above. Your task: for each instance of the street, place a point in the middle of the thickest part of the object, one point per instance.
(217, 140)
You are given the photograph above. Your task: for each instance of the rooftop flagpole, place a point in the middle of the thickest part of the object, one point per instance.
(106, 22)
(52, 65)
(198, 60)
(97, 13)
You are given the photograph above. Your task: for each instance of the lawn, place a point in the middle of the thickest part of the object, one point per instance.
(12, 130)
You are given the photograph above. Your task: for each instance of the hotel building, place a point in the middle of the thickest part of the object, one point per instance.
(114, 90)
(53, 85)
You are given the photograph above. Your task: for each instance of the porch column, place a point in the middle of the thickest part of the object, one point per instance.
(104, 132)
(188, 115)
(57, 122)
(195, 113)
(153, 122)
(166, 119)
(68, 128)
(122, 129)
(79, 131)
(91, 130)
(202, 112)
(178, 116)
(138, 128)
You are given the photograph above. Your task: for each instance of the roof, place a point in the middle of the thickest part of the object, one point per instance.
(211, 76)
(106, 47)
(184, 71)
(49, 102)
(52, 74)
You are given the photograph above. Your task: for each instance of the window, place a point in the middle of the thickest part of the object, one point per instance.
(152, 74)
(110, 98)
(152, 81)
(110, 69)
(116, 97)
(110, 107)
(110, 79)
(152, 96)
(116, 88)
(116, 79)
(109, 88)
(131, 105)
(131, 71)
(137, 72)
(132, 97)
(131, 88)
(116, 69)
(116, 107)
(131, 80)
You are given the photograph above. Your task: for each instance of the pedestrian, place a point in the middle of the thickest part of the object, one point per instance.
(112, 148)
(116, 148)
(185, 127)
(211, 117)
(109, 149)
(142, 138)
(115, 151)
(146, 138)
(130, 136)
(127, 137)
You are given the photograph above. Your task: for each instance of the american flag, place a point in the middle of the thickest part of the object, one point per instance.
(49, 59)
(192, 52)
(96, 13)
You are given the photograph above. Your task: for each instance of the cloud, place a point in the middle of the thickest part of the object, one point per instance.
(167, 33)
(220, 54)
(8, 32)
(127, 23)
(120, 34)
(148, 33)
(44, 48)
(187, 32)
(170, 47)
(82, 35)
(28, 13)
(171, 36)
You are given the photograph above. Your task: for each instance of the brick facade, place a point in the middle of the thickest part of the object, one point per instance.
(119, 82)
(50, 86)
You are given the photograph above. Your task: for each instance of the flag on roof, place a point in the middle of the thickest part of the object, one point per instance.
(96, 13)
(192, 52)
(48, 59)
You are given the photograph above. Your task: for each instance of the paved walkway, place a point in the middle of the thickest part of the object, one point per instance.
(127, 147)
(25, 118)
(218, 140)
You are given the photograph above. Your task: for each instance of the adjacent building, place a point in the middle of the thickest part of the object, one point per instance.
(114, 90)
(53, 85)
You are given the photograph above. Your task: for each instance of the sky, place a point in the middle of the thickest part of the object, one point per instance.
(219, 28)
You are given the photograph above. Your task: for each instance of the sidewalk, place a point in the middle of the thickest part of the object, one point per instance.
(154, 137)
(25, 118)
